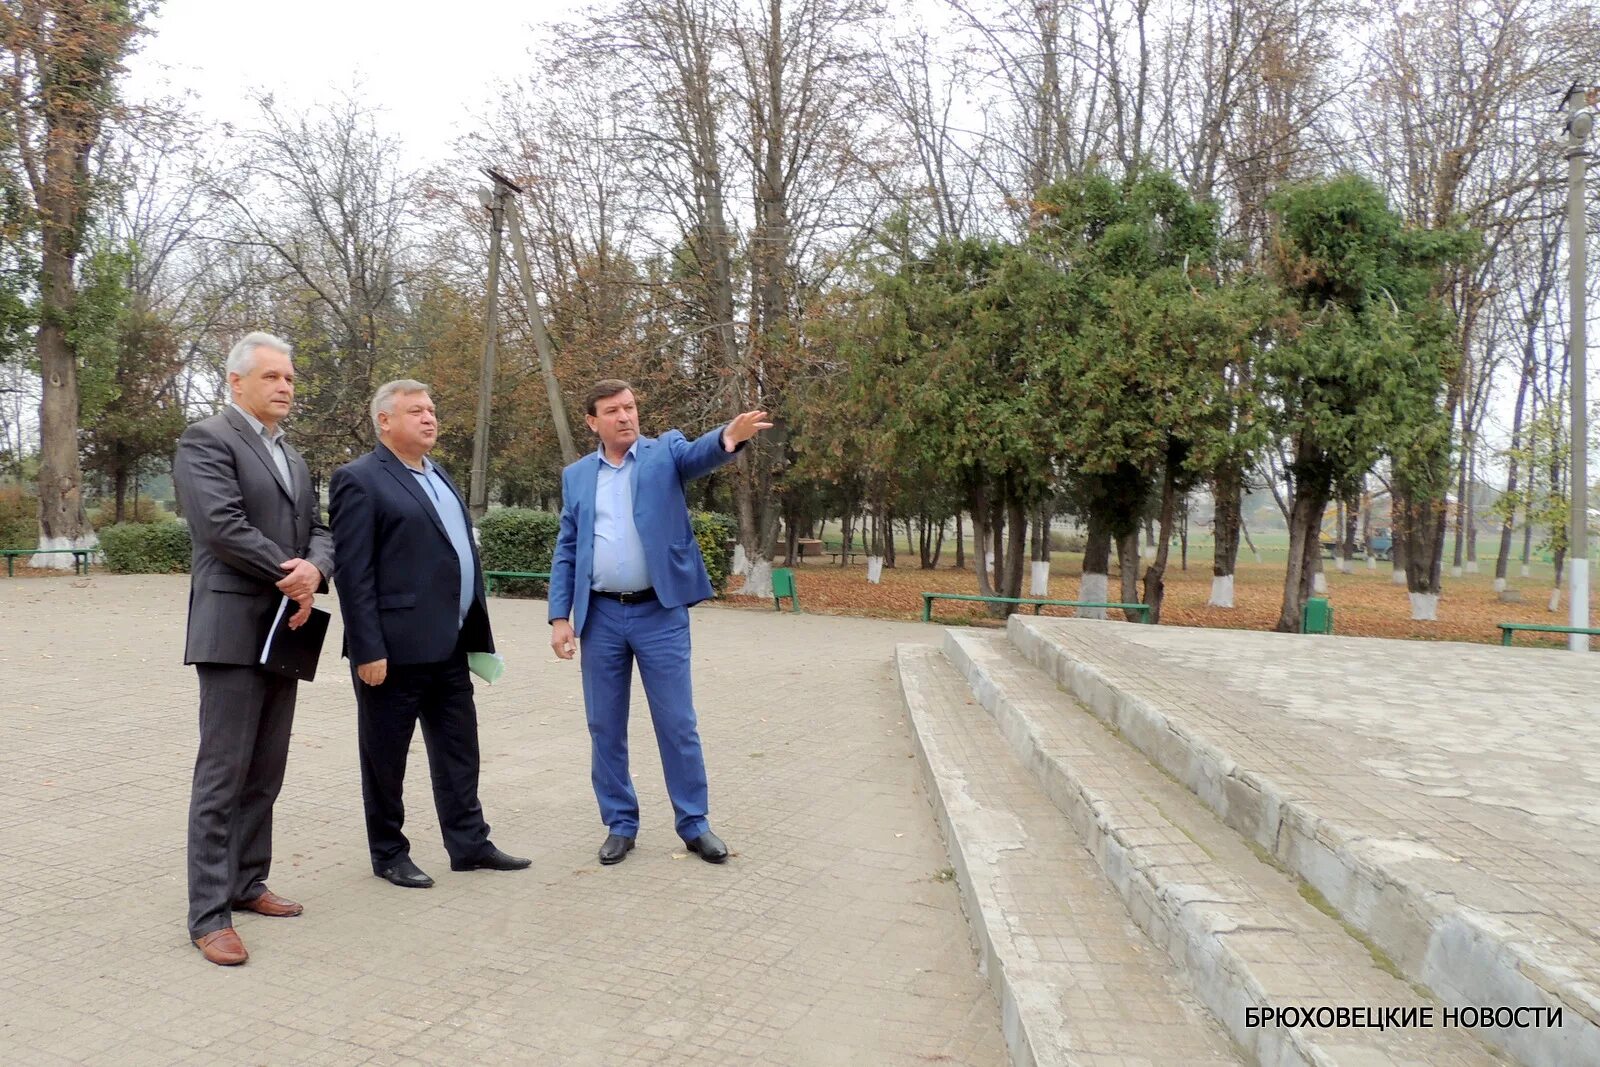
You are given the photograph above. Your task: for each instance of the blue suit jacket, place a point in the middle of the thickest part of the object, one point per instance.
(660, 470)
(401, 594)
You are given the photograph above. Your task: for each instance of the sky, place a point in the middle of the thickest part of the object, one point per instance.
(431, 66)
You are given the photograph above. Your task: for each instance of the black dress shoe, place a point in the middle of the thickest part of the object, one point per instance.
(492, 860)
(406, 875)
(710, 847)
(616, 849)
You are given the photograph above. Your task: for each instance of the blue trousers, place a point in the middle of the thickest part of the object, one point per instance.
(614, 636)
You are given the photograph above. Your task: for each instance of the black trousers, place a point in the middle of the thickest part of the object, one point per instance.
(440, 696)
(245, 718)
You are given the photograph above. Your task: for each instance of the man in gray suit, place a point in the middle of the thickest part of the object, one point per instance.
(258, 536)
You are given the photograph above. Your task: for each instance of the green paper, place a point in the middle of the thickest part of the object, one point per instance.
(486, 665)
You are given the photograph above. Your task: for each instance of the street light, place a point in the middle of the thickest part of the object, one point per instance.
(1580, 120)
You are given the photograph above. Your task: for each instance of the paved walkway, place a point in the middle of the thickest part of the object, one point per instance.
(831, 937)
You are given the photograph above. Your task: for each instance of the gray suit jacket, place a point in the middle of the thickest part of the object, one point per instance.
(243, 522)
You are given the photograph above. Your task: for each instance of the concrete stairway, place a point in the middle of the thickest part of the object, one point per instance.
(1110, 903)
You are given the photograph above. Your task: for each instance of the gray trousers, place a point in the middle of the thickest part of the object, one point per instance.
(245, 717)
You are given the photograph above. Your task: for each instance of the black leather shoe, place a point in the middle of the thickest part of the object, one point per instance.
(406, 875)
(710, 847)
(616, 849)
(492, 860)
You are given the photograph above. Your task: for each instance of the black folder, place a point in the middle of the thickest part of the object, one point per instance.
(294, 653)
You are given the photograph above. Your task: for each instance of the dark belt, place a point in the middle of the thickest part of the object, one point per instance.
(640, 597)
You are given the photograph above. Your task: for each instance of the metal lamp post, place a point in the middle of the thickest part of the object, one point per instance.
(1580, 119)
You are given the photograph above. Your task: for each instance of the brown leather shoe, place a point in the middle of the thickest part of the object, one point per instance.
(222, 947)
(270, 903)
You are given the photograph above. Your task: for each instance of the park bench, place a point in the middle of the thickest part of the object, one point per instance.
(1143, 610)
(835, 549)
(493, 578)
(1509, 629)
(783, 585)
(81, 557)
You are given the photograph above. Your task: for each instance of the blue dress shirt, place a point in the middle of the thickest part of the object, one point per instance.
(619, 565)
(455, 525)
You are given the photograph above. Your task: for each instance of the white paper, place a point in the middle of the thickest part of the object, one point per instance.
(266, 649)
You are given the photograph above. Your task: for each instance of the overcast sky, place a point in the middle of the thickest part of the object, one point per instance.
(430, 65)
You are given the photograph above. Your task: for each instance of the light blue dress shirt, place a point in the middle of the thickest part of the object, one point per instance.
(619, 565)
(455, 525)
(274, 442)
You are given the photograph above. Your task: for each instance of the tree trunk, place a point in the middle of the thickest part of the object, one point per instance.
(1352, 514)
(1016, 547)
(120, 489)
(1305, 549)
(1128, 565)
(1154, 584)
(1400, 549)
(980, 536)
(938, 547)
(62, 521)
(846, 535)
(1426, 522)
(1227, 486)
(1502, 562)
(961, 545)
(1095, 585)
(1461, 514)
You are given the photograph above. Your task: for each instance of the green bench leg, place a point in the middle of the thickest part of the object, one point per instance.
(11, 566)
(1505, 638)
(927, 609)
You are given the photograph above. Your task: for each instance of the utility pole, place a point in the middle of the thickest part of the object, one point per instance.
(1580, 119)
(478, 492)
(541, 336)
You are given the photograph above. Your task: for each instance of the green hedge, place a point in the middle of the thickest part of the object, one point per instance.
(518, 539)
(524, 539)
(146, 547)
(714, 530)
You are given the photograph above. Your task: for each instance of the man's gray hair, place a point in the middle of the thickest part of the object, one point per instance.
(383, 399)
(242, 356)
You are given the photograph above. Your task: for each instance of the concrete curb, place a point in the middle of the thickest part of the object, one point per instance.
(983, 910)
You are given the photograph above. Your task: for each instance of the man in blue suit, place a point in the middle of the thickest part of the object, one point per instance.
(625, 572)
(414, 608)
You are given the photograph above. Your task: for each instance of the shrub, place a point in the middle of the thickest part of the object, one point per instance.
(714, 530)
(146, 509)
(19, 517)
(1068, 541)
(518, 539)
(146, 547)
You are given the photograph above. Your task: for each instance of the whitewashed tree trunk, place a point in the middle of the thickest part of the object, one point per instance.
(1094, 588)
(1455, 572)
(1221, 592)
(65, 561)
(1040, 583)
(758, 579)
(875, 570)
(1555, 600)
(1527, 571)
(1344, 566)
(1499, 585)
(1319, 583)
(1372, 562)
(741, 562)
(1425, 607)
(1472, 566)
(1398, 576)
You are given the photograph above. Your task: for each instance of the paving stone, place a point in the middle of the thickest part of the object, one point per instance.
(829, 937)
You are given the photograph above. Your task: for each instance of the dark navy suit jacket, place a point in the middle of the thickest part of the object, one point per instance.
(660, 512)
(401, 592)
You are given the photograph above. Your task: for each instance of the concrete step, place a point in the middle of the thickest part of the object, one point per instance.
(1077, 983)
(1485, 910)
(1239, 926)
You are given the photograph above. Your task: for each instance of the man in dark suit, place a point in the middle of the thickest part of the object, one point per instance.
(258, 537)
(411, 593)
(625, 572)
